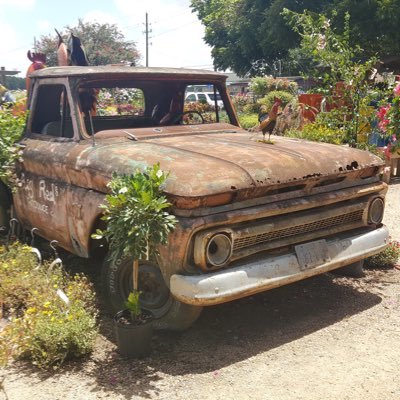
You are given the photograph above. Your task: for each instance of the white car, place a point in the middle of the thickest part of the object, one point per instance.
(204, 97)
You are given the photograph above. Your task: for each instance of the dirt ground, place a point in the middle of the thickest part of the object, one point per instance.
(327, 337)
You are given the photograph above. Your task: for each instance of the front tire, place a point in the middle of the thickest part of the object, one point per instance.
(5, 202)
(168, 312)
(355, 270)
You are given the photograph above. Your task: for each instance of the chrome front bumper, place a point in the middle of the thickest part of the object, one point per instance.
(274, 271)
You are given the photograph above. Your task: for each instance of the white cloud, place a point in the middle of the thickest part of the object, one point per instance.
(21, 4)
(176, 35)
(43, 25)
(12, 54)
(101, 17)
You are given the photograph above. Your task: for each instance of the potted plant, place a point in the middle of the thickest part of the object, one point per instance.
(136, 223)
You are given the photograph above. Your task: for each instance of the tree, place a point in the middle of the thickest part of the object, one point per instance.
(248, 33)
(103, 43)
(14, 82)
(243, 32)
(374, 25)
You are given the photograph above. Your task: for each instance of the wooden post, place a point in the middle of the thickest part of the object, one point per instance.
(135, 274)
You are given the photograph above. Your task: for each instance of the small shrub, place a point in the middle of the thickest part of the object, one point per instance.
(17, 281)
(248, 121)
(318, 133)
(252, 108)
(136, 214)
(269, 99)
(11, 129)
(240, 101)
(385, 259)
(261, 86)
(42, 327)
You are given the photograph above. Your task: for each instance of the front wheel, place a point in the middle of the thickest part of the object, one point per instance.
(355, 270)
(155, 296)
(5, 203)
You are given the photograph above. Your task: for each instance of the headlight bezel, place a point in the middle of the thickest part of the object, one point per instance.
(206, 256)
(376, 210)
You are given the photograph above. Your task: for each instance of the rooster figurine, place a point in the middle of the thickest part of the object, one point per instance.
(269, 123)
(38, 62)
(62, 51)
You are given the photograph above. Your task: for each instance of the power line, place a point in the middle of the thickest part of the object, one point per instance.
(173, 29)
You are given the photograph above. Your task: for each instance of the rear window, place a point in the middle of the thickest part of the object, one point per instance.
(120, 101)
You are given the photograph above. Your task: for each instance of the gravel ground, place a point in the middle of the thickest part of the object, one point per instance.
(327, 337)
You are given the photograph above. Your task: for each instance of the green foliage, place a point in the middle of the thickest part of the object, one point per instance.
(387, 258)
(334, 57)
(336, 65)
(43, 328)
(240, 101)
(133, 305)
(248, 121)
(261, 86)
(242, 32)
(136, 214)
(14, 82)
(104, 44)
(268, 100)
(11, 129)
(318, 133)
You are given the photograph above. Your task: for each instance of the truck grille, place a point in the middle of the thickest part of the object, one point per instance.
(326, 223)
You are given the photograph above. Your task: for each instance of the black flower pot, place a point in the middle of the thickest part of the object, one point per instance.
(133, 338)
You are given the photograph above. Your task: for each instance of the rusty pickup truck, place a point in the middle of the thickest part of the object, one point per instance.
(252, 215)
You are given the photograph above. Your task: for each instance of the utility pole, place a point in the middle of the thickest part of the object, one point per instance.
(147, 40)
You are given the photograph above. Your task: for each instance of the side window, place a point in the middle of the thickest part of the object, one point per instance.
(51, 115)
(191, 97)
(202, 98)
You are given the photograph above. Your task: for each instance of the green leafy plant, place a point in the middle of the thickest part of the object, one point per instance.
(268, 101)
(137, 218)
(386, 258)
(11, 129)
(248, 121)
(336, 65)
(132, 304)
(261, 86)
(44, 327)
(317, 133)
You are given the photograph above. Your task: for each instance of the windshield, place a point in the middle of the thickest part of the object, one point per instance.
(135, 104)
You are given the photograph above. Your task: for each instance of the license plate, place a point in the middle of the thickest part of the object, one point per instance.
(311, 254)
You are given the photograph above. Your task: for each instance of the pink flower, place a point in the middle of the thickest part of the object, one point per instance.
(396, 90)
(382, 112)
(383, 124)
(387, 152)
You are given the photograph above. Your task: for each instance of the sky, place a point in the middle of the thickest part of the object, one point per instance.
(176, 37)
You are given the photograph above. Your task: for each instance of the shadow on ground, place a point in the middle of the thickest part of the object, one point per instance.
(223, 335)
(230, 333)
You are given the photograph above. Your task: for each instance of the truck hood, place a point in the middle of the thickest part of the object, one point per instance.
(219, 163)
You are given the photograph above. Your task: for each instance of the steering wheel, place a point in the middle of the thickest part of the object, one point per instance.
(182, 115)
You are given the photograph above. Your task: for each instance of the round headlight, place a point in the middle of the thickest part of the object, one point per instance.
(219, 250)
(375, 211)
